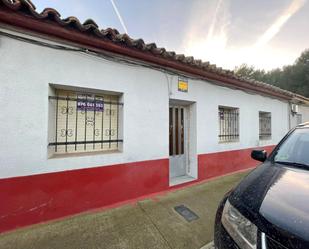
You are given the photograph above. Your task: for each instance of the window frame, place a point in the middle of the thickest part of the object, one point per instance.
(114, 103)
(232, 134)
(299, 118)
(265, 135)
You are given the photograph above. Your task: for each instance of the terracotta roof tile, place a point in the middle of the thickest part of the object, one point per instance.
(91, 22)
(179, 57)
(91, 27)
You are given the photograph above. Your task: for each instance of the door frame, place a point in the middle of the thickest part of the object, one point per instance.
(190, 138)
(177, 144)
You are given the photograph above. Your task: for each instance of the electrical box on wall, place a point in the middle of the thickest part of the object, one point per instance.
(294, 108)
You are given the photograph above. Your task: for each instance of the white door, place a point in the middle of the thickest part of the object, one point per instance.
(177, 140)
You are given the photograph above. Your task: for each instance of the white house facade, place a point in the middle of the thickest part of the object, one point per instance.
(90, 122)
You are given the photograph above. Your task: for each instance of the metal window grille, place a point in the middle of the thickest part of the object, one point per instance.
(299, 118)
(85, 122)
(265, 125)
(228, 124)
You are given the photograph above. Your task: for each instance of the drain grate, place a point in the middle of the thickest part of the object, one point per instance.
(185, 212)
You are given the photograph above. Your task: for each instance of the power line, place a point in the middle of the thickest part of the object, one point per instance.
(109, 57)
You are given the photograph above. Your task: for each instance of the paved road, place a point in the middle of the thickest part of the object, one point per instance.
(151, 223)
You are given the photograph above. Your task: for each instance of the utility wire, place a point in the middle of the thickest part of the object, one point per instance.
(92, 53)
(109, 57)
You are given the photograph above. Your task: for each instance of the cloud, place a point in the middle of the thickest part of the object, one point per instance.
(213, 46)
(119, 16)
(279, 22)
(213, 16)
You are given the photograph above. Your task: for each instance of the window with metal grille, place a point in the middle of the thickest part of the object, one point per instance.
(299, 118)
(265, 125)
(84, 122)
(228, 124)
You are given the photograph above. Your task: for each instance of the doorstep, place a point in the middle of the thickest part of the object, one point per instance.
(180, 180)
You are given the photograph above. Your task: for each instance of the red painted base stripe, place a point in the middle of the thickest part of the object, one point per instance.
(220, 163)
(32, 199)
(38, 198)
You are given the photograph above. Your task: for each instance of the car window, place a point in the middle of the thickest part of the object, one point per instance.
(295, 148)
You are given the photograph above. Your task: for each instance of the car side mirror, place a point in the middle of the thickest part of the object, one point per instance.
(259, 155)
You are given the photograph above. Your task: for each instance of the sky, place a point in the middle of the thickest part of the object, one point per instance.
(266, 34)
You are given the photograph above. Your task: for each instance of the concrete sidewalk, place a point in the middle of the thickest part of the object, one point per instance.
(151, 223)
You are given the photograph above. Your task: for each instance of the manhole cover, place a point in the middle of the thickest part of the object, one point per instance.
(185, 212)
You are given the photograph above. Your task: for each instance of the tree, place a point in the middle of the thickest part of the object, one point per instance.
(294, 78)
(250, 72)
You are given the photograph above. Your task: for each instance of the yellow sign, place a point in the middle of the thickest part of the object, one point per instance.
(182, 85)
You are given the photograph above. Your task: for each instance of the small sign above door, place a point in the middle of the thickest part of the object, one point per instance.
(183, 84)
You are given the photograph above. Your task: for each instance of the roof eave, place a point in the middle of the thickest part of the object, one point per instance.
(50, 29)
(300, 99)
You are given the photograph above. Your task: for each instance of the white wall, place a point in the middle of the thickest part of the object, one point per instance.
(26, 71)
(208, 97)
(303, 110)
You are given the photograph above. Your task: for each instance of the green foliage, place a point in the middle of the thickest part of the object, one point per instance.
(294, 78)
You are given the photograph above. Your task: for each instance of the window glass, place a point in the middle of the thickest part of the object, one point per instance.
(295, 148)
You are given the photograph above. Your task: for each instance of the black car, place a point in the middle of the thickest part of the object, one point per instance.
(270, 207)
